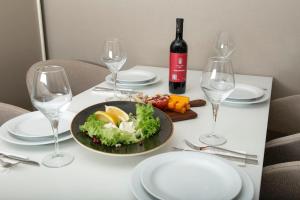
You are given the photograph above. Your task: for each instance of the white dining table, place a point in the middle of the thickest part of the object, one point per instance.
(96, 176)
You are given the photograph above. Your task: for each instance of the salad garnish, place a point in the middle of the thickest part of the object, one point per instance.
(115, 127)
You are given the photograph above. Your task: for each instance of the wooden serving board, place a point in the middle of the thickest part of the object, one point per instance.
(175, 116)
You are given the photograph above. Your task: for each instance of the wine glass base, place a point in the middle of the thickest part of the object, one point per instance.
(212, 140)
(118, 97)
(54, 160)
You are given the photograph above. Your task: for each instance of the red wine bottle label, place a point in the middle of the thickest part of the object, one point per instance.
(178, 62)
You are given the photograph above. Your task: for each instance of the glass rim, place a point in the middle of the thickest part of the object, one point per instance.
(52, 67)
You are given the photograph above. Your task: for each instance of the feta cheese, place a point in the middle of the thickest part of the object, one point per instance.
(127, 126)
(110, 125)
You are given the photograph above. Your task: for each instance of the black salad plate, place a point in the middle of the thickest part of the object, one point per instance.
(148, 145)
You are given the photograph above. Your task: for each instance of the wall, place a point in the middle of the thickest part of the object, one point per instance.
(19, 49)
(267, 33)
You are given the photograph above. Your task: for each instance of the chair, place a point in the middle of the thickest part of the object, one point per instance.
(81, 75)
(8, 111)
(284, 149)
(284, 117)
(281, 181)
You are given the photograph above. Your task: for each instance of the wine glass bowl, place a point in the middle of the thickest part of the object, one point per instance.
(217, 83)
(114, 58)
(51, 94)
(224, 45)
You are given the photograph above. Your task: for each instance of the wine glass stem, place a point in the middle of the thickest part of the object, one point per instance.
(215, 109)
(54, 125)
(114, 75)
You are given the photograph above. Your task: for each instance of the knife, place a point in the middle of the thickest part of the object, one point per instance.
(98, 88)
(20, 159)
(234, 158)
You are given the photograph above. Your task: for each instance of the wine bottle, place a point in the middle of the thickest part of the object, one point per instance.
(178, 61)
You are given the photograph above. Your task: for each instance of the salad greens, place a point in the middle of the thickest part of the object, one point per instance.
(144, 124)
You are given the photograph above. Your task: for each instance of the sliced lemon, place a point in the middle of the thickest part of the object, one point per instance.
(100, 115)
(117, 113)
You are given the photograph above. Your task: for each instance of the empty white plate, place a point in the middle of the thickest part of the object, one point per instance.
(246, 92)
(134, 76)
(132, 85)
(35, 126)
(246, 193)
(190, 175)
(6, 136)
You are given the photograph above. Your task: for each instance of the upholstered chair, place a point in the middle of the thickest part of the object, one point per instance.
(284, 117)
(284, 149)
(8, 111)
(81, 75)
(281, 181)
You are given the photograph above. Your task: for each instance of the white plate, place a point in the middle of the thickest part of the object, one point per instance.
(246, 193)
(241, 103)
(6, 136)
(35, 126)
(243, 92)
(132, 85)
(190, 175)
(134, 76)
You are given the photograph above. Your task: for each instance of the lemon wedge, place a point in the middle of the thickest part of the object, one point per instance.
(117, 113)
(106, 117)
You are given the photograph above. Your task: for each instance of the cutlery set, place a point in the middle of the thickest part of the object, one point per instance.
(20, 159)
(239, 156)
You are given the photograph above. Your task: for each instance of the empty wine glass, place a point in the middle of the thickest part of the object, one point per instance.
(224, 45)
(51, 94)
(217, 84)
(114, 58)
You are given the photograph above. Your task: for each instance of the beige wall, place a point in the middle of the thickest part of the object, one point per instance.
(267, 32)
(19, 49)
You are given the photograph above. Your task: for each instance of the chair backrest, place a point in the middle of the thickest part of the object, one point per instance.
(284, 117)
(81, 75)
(281, 181)
(8, 111)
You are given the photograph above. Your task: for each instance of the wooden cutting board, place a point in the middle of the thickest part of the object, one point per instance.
(175, 116)
(190, 114)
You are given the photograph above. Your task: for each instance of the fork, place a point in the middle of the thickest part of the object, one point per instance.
(7, 164)
(193, 146)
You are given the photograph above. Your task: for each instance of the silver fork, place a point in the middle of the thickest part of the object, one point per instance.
(193, 146)
(7, 164)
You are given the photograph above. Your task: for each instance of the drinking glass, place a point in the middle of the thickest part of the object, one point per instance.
(217, 84)
(51, 94)
(224, 45)
(114, 58)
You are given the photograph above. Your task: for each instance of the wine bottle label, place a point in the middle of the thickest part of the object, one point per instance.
(178, 62)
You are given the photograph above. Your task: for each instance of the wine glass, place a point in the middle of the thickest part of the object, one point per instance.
(114, 58)
(224, 45)
(51, 94)
(217, 84)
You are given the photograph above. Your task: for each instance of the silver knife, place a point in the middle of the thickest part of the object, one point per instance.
(22, 160)
(98, 88)
(235, 158)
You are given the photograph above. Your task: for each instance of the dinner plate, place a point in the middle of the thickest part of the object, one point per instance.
(134, 76)
(185, 175)
(148, 145)
(136, 187)
(245, 92)
(35, 126)
(133, 85)
(6, 136)
(242, 103)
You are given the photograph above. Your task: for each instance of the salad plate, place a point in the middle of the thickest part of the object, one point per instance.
(147, 145)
